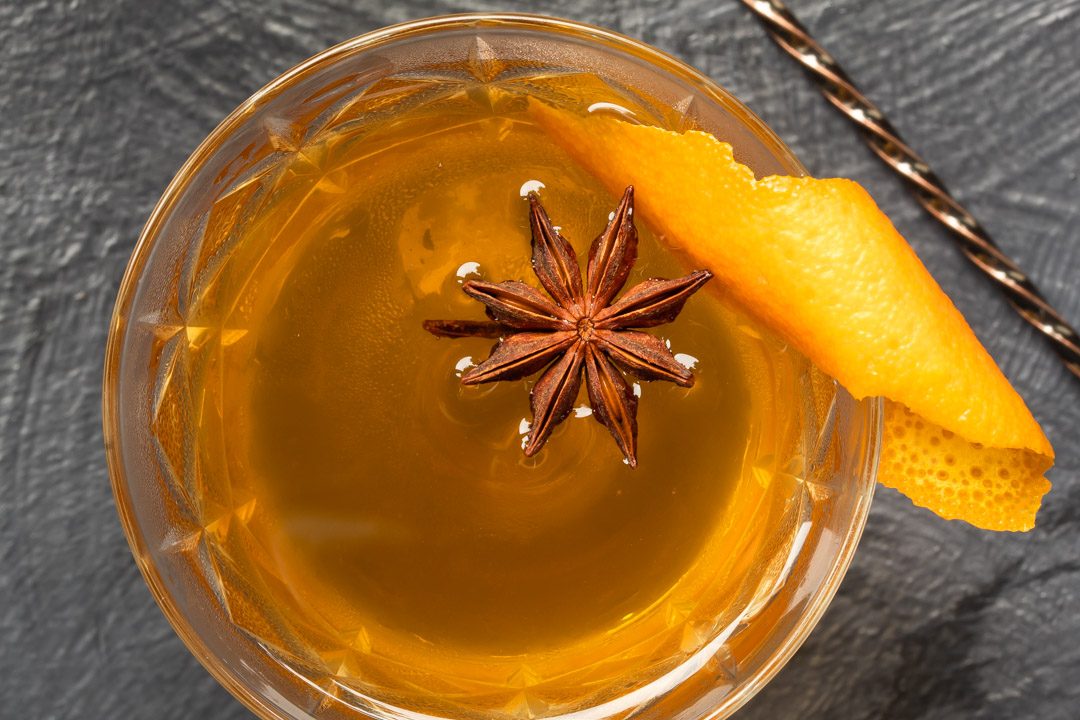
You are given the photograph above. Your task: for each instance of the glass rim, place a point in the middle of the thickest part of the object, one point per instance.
(822, 596)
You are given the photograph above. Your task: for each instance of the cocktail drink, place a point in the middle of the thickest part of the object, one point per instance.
(338, 525)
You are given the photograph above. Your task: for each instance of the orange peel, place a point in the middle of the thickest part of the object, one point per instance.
(820, 264)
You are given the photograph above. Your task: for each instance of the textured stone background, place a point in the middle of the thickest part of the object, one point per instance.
(100, 102)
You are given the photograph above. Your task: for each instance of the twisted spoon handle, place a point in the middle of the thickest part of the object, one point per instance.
(931, 193)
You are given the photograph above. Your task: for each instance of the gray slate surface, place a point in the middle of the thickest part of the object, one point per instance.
(101, 101)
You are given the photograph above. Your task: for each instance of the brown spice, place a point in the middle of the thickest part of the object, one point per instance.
(579, 330)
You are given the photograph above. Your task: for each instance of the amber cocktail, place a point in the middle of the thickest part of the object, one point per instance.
(337, 525)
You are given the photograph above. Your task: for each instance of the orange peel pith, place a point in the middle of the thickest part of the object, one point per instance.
(819, 263)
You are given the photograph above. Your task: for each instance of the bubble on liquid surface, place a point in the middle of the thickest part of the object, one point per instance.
(530, 186)
(687, 361)
(462, 365)
(467, 269)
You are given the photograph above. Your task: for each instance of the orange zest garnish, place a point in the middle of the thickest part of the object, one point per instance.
(820, 264)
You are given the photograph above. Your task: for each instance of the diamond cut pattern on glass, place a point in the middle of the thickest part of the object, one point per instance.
(821, 473)
(172, 417)
(723, 664)
(686, 113)
(223, 224)
(525, 705)
(484, 64)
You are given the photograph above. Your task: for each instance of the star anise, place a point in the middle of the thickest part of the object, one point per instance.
(579, 329)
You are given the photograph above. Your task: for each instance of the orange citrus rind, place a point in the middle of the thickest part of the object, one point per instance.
(819, 263)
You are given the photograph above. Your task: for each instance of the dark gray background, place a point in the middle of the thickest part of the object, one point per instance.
(100, 102)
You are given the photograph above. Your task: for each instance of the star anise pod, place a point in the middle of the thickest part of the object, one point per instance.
(579, 329)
